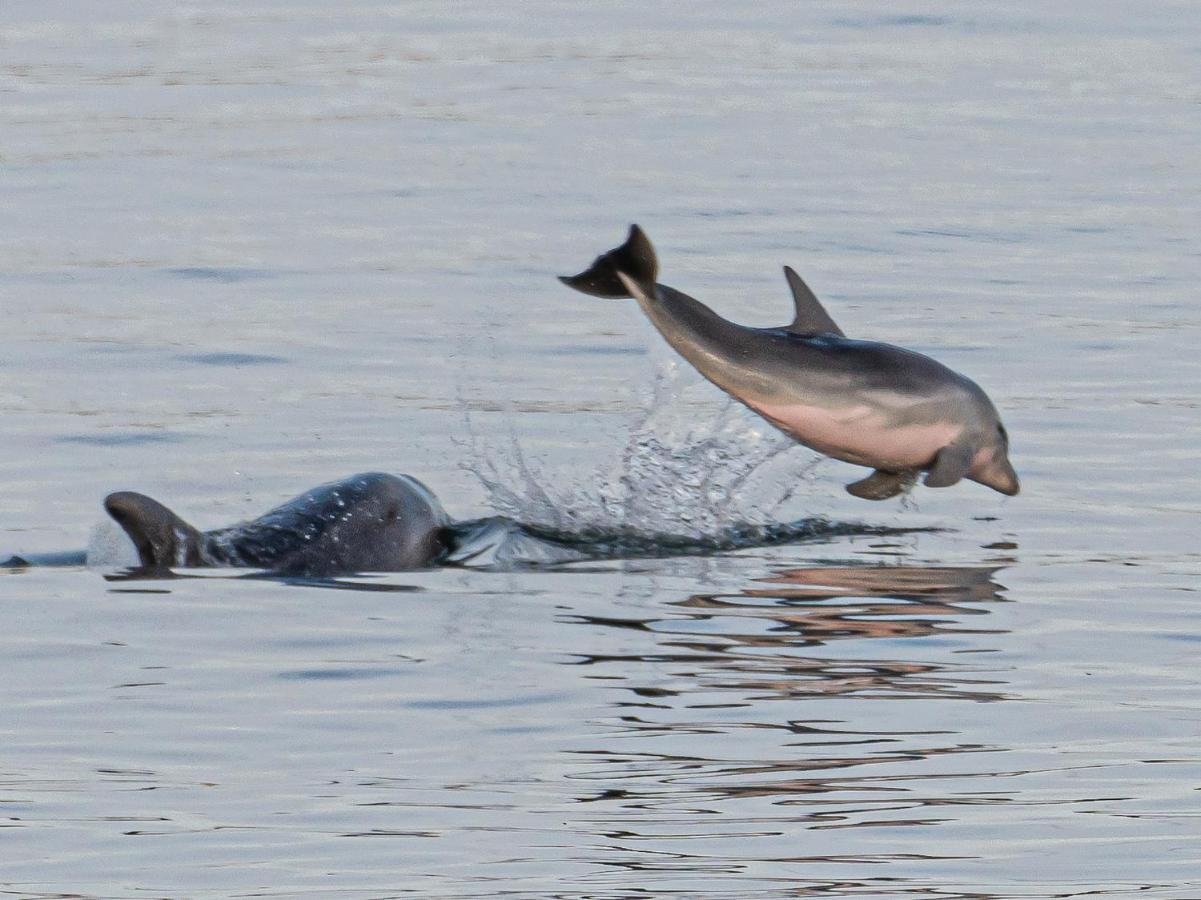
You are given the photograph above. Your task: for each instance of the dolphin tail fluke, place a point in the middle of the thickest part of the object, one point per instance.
(161, 537)
(635, 259)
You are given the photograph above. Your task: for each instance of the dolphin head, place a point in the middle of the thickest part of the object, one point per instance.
(371, 522)
(991, 466)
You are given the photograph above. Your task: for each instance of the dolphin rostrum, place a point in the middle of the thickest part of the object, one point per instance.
(867, 403)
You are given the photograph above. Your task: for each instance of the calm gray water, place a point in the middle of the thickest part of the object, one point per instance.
(250, 248)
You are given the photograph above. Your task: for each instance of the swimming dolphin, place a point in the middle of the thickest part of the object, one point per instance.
(366, 523)
(863, 402)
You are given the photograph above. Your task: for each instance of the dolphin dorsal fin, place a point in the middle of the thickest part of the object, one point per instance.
(811, 316)
(161, 537)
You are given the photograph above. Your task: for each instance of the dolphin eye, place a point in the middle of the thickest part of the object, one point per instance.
(1003, 433)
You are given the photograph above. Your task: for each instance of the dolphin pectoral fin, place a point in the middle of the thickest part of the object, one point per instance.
(636, 257)
(811, 316)
(162, 538)
(881, 485)
(950, 465)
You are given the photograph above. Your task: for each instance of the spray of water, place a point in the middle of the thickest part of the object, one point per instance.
(679, 482)
(110, 548)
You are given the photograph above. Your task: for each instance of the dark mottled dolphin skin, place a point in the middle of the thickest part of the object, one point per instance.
(863, 402)
(366, 523)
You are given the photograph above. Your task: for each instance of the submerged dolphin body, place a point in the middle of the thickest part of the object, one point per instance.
(867, 403)
(366, 523)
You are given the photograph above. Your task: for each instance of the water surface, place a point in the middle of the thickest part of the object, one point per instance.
(252, 249)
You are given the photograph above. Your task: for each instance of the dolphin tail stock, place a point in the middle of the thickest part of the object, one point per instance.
(161, 537)
(635, 259)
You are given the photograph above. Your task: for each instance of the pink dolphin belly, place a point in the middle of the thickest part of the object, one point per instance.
(861, 434)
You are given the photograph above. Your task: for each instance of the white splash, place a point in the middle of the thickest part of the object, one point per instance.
(677, 474)
(110, 548)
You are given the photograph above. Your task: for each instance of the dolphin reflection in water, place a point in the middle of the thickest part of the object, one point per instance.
(767, 639)
(721, 696)
(863, 402)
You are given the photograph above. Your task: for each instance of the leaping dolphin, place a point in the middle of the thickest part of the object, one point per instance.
(867, 403)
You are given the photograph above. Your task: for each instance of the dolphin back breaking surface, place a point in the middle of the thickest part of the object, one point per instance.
(371, 522)
(864, 402)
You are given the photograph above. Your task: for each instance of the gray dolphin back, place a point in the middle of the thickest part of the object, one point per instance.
(371, 522)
